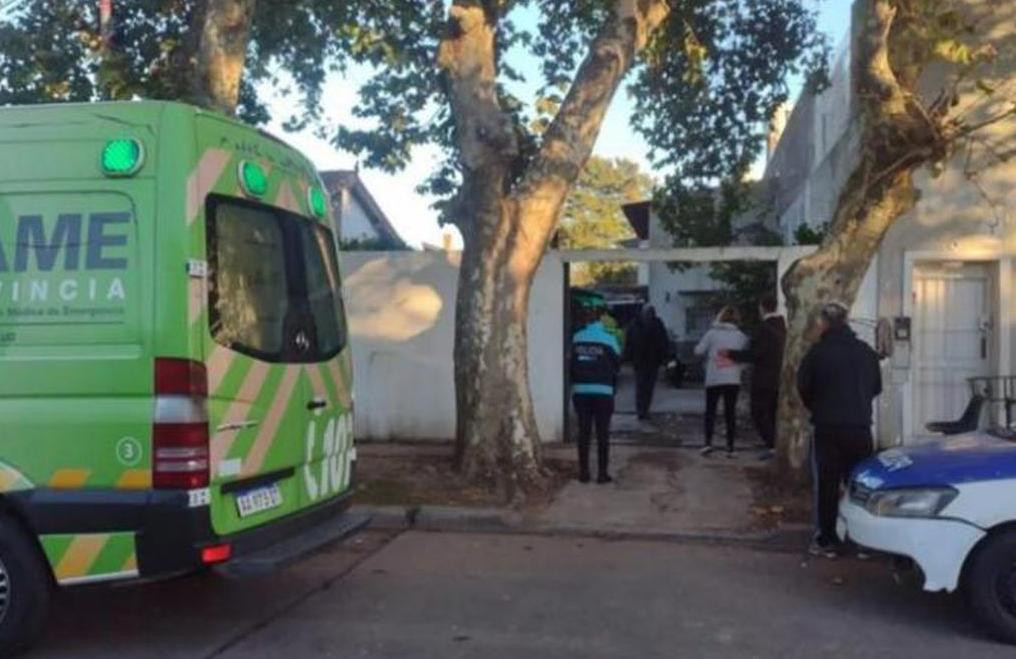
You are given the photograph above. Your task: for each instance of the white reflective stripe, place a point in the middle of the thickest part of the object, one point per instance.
(182, 466)
(112, 576)
(181, 409)
(181, 453)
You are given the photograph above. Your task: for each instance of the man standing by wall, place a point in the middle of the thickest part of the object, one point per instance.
(838, 380)
(765, 354)
(647, 344)
(595, 358)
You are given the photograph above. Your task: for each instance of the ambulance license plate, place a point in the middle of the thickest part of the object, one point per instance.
(258, 500)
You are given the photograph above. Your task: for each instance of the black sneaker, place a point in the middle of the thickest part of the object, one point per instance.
(604, 478)
(822, 547)
(584, 477)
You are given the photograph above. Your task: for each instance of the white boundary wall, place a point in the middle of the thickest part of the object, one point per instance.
(401, 309)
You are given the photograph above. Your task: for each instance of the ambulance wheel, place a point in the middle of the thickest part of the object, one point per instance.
(25, 585)
(990, 584)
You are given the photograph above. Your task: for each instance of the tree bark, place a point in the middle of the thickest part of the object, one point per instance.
(897, 136)
(222, 31)
(506, 227)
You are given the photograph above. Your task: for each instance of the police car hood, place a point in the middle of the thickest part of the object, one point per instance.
(953, 461)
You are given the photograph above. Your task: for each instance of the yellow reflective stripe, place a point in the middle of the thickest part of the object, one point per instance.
(135, 479)
(341, 384)
(237, 411)
(317, 382)
(11, 479)
(196, 299)
(69, 478)
(201, 181)
(7, 480)
(270, 426)
(218, 365)
(80, 555)
(286, 199)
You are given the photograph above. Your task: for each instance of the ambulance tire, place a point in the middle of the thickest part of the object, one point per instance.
(990, 584)
(28, 587)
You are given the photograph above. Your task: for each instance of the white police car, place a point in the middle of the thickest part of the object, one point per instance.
(950, 506)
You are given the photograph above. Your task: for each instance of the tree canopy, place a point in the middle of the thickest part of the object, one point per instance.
(592, 217)
(706, 86)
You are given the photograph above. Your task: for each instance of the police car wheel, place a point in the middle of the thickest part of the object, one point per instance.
(24, 588)
(990, 584)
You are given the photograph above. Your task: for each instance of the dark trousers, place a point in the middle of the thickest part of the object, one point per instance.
(729, 394)
(594, 410)
(764, 404)
(835, 453)
(645, 384)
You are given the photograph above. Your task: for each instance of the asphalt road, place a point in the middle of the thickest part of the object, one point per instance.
(459, 595)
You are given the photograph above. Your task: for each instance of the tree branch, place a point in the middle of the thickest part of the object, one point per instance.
(571, 136)
(222, 52)
(468, 56)
(969, 129)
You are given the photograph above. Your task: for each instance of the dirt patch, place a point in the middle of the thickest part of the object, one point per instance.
(415, 480)
(775, 501)
(668, 460)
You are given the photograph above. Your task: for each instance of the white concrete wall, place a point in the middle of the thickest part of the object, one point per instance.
(401, 309)
(667, 293)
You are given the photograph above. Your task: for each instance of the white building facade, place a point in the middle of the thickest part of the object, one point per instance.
(944, 270)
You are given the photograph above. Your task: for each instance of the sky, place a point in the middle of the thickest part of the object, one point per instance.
(409, 211)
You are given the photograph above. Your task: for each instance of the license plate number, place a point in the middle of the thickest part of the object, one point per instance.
(258, 500)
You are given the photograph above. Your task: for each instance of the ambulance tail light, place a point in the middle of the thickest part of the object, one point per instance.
(213, 554)
(180, 436)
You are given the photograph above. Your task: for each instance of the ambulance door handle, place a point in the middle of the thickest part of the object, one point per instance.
(317, 404)
(237, 425)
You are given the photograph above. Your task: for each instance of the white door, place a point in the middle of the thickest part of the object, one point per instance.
(952, 323)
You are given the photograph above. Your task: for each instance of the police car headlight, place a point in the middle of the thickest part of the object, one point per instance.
(918, 502)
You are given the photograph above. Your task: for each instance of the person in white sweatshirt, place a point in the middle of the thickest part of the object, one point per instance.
(723, 375)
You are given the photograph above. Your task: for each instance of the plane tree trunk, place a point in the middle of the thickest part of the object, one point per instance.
(898, 135)
(507, 221)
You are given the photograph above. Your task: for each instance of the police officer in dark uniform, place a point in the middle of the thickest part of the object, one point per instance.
(595, 359)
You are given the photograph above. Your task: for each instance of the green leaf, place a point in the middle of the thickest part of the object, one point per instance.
(953, 51)
(986, 87)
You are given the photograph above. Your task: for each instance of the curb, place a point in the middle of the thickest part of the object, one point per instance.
(792, 538)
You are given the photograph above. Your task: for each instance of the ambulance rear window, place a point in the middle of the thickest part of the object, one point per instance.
(274, 289)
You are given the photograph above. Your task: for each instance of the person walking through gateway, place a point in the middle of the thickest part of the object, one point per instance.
(647, 345)
(595, 359)
(723, 375)
(765, 354)
(838, 380)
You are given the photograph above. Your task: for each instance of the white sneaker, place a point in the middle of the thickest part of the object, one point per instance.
(706, 450)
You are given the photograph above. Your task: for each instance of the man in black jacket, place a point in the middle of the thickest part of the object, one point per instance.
(838, 380)
(647, 344)
(765, 354)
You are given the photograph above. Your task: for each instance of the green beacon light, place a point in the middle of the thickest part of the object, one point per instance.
(317, 202)
(122, 157)
(253, 179)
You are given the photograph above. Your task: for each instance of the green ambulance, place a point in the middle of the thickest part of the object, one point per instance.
(175, 377)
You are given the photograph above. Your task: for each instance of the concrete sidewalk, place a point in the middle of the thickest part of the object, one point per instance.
(657, 493)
